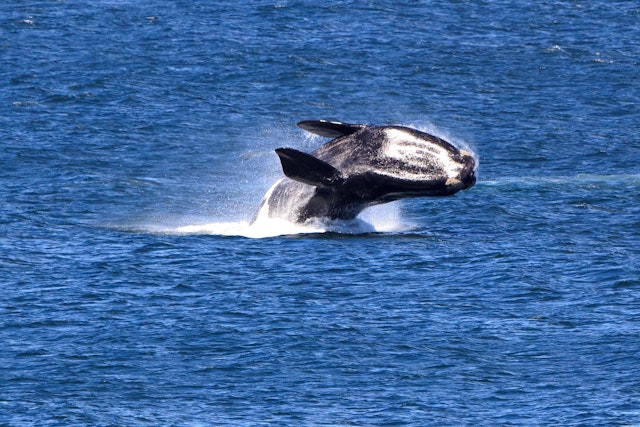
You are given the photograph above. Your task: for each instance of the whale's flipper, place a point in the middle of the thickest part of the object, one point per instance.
(305, 168)
(329, 129)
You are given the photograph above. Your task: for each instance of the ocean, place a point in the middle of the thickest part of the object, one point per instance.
(138, 141)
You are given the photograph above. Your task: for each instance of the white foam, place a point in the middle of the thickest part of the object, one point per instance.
(379, 219)
(256, 230)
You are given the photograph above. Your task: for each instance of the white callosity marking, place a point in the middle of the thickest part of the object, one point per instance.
(419, 156)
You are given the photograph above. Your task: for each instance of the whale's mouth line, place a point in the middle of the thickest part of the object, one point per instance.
(438, 187)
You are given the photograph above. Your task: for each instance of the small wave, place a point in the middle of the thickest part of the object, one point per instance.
(580, 179)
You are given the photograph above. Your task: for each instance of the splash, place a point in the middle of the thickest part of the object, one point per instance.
(380, 219)
(229, 214)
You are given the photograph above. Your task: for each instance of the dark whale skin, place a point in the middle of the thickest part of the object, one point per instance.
(362, 166)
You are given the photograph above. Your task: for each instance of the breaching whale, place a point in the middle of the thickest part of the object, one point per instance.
(364, 165)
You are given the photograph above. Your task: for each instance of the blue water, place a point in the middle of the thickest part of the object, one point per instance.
(137, 141)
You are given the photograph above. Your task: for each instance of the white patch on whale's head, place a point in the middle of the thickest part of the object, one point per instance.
(418, 158)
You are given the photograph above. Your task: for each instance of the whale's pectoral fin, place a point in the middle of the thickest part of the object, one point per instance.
(329, 129)
(305, 168)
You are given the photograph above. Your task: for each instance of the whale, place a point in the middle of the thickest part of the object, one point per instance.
(361, 166)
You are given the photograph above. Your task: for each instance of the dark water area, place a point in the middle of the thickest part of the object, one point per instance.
(137, 142)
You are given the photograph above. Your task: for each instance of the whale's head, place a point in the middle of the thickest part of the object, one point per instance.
(411, 163)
